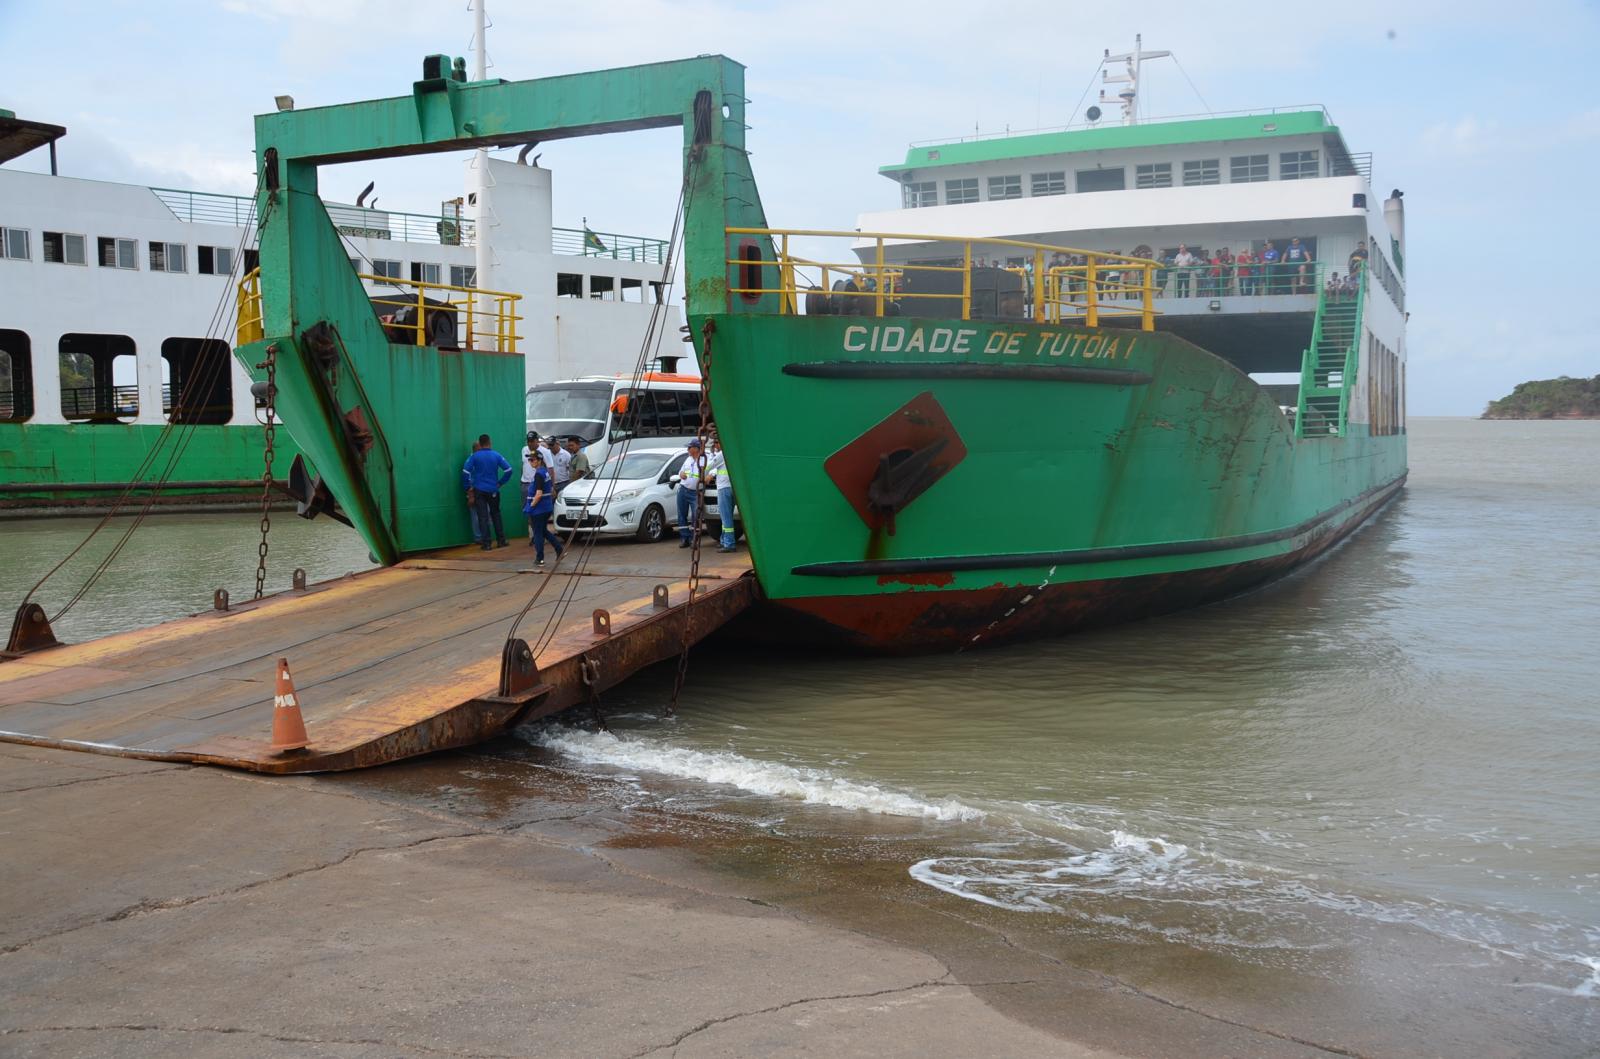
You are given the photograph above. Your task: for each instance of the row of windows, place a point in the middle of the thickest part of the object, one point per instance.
(1242, 169)
(71, 248)
(421, 271)
(99, 378)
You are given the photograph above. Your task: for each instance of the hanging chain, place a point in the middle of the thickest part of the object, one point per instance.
(699, 518)
(271, 364)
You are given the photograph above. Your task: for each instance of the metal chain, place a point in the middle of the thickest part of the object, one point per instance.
(271, 364)
(698, 529)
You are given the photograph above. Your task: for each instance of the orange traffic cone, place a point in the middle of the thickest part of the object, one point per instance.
(288, 729)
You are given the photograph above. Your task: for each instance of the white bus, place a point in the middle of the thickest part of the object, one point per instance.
(604, 410)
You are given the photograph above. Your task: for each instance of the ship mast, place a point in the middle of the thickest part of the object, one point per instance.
(1128, 97)
(480, 71)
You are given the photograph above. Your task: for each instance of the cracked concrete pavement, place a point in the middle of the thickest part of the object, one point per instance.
(150, 909)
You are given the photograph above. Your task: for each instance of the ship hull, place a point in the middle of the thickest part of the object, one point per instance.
(1052, 479)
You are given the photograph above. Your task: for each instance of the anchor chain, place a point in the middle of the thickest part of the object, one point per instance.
(698, 530)
(271, 366)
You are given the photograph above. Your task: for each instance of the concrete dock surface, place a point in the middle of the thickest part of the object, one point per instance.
(158, 909)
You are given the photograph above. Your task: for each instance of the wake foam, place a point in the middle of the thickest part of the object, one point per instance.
(813, 786)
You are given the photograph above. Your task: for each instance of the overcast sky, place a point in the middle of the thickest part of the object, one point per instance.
(1488, 116)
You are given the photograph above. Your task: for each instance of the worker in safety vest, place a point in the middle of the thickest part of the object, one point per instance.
(717, 480)
(688, 479)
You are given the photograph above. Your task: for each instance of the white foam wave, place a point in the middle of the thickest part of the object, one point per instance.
(814, 786)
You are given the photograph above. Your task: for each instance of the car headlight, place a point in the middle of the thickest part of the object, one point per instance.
(626, 494)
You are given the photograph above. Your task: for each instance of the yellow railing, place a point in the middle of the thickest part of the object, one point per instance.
(1054, 284)
(486, 320)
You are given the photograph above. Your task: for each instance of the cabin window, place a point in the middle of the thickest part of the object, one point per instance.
(64, 248)
(1248, 168)
(603, 288)
(252, 260)
(1103, 179)
(99, 378)
(921, 194)
(1005, 187)
(199, 380)
(1152, 175)
(632, 290)
(569, 284)
(658, 291)
(463, 275)
(1299, 165)
(16, 376)
(960, 191)
(14, 243)
(1050, 183)
(424, 272)
(385, 268)
(215, 260)
(118, 253)
(168, 257)
(1205, 171)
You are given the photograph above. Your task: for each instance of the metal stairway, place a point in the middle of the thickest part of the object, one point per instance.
(1328, 368)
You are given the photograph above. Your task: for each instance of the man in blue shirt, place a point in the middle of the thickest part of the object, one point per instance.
(483, 474)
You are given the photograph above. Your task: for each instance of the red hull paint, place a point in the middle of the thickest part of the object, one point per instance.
(917, 622)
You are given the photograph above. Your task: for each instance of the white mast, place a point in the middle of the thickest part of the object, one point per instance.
(1129, 97)
(480, 72)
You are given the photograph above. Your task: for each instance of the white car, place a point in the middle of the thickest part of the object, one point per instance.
(632, 492)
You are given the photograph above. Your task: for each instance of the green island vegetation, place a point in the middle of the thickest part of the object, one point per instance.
(1563, 398)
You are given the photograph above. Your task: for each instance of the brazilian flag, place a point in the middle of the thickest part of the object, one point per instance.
(592, 241)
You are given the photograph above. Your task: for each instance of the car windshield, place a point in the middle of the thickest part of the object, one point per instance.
(565, 409)
(632, 465)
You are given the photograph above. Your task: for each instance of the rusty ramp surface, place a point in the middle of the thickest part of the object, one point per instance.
(388, 663)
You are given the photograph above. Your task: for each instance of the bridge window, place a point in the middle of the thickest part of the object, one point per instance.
(961, 191)
(118, 253)
(14, 244)
(168, 257)
(463, 275)
(569, 284)
(99, 378)
(603, 288)
(1005, 187)
(1054, 183)
(632, 290)
(200, 380)
(1153, 175)
(425, 272)
(1205, 171)
(921, 194)
(1103, 179)
(385, 268)
(63, 248)
(1248, 168)
(1299, 165)
(16, 376)
(214, 260)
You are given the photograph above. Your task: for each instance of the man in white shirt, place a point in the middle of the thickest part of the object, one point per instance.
(533, 445)
(561, 467)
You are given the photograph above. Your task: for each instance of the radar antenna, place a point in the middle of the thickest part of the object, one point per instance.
(1129, 96)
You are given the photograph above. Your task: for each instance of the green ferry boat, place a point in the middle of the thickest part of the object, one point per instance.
(937, 440)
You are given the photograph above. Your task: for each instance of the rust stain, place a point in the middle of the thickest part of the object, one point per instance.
(936, 580)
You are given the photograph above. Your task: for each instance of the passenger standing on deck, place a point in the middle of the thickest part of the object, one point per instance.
(577, 462)
(1182, 268)
(482, 475)
(1271, 271)
(1245, 266)
(688, 492)
(540, 497)
(717, 478)
(1298, 260)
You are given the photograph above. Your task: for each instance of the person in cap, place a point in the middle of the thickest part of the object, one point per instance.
(688, 485)
(482, 476)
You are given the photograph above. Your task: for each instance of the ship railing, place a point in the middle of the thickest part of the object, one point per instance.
(99, 403)
(956, 277)
(582, 242)
(1254, 279)
(205, 207)
(415, 312)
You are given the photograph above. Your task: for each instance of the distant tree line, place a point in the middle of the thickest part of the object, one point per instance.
(1563, 398)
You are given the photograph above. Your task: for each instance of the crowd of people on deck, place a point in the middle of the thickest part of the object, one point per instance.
(551, 464)
(1191, 272)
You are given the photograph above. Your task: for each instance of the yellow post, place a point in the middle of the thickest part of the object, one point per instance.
(1148, 321)
(966, 283)
(878, 283)
(1091, 294)
(470, 300)
(791, 300)
(422, 316)
(1038, 286)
